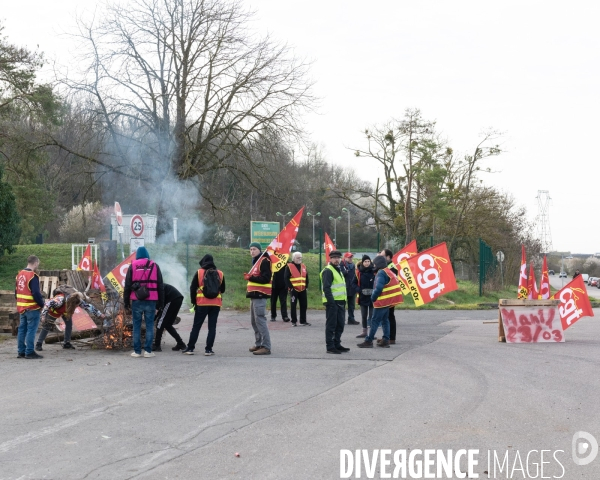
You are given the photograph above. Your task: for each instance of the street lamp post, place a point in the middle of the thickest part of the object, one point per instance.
(318, 214)
(335, 229)
(279, 214)
(348, 212)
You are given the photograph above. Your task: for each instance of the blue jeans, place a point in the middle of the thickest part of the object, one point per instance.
(29, 322)
(380, 316)
(148, 308)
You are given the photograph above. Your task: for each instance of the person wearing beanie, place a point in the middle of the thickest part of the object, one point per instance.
(349, 271)
(363, 286)
(144, 294)
(258, 290)
(205, 290)
(166, 318)
(296, 279)
(334, 298)
(386, 293)
(387, 253)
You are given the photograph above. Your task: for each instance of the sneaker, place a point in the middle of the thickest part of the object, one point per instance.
(392, 342)
(136, 355)
(188, 351)
(38, 347)
(20, 355)
(273, 319)
(295, 324)
(343, 349)
(149, 354)
(176, 348)
(362, 335)
(32, 355)
(334, 351)
(254, 349)
(157, 348)
(68, 346)
(305, 324)
(383, 343)
(208, 353)
(353, 322)
(262, 351)
(365, 344)
(286, 319)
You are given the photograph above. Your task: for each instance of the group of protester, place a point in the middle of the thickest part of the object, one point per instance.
(374, 286)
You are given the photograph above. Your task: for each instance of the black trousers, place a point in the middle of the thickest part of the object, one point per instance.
(350, 303)
(334, 324)
(392, 324)
(280, 294)
(299, 298)
(165, 322)
(200, 315)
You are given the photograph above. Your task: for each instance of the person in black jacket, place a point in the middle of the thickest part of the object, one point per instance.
(296, 279)
(279, 291)
(205, 307)
(166, 318)
(387, 253)
(349, 271)
(258, 291)
(363, 286)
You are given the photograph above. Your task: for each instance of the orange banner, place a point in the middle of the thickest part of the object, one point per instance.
(328, 247)
(574, 302)
(405, 253)
(522, 292)
(281, 246)
(428, 275)
(86, 261)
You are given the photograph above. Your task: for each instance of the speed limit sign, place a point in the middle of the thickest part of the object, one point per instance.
(137, 225)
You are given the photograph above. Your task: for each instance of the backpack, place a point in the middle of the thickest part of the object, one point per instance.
(211, 286)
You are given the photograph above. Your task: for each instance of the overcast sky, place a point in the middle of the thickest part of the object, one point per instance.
(527, 68)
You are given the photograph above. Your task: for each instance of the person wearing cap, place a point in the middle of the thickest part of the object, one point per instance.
(349, 271)
(386, 293)
(334, 299)
(296, 279)
(144, 279)
(387, 253)
(204, 306)
(363, 285)
(258, 290)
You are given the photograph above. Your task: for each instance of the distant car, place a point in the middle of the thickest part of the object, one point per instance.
(593, 282)
(551, 272)
(562, 275)
(585, 277)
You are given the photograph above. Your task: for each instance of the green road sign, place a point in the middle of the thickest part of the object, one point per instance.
(263, 232)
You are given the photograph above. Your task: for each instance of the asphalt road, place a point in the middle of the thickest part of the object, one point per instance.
(447, 384)
(558, 283)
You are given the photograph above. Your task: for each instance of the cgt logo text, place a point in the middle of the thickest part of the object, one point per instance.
(430, 463)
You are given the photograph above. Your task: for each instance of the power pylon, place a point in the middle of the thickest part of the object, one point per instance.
(543, 220)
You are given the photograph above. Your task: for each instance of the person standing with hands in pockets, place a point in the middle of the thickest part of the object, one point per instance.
(334, 298)
(296, 279)
(258, 290)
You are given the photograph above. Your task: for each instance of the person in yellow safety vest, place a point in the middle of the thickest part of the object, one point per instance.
(386, 293)
(387, 253)
(334, 299)
(205, 306)
(258, 290)
(296, 279)
(29, 305)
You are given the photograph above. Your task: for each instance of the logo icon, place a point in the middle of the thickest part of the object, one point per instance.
(584, 443)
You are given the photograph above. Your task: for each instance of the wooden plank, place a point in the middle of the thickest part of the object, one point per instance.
(501, 334)
(514, 302)
(53, 284)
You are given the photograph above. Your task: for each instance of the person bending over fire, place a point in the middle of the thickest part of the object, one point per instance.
(63, 305)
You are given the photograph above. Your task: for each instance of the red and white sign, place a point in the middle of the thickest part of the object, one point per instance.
(86, 261)
(81, 321)
(532, 324)
(137, 225)
(118, 214)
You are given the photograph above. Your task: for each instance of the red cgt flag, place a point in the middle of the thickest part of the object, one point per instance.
(405, 253)
(574, 302)
(97, 283)
(428, 274)
(532, 291)
(545, 282)
(281, 246)
(86, 261)
(117, 275)
(522, 291)
(328, 247)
